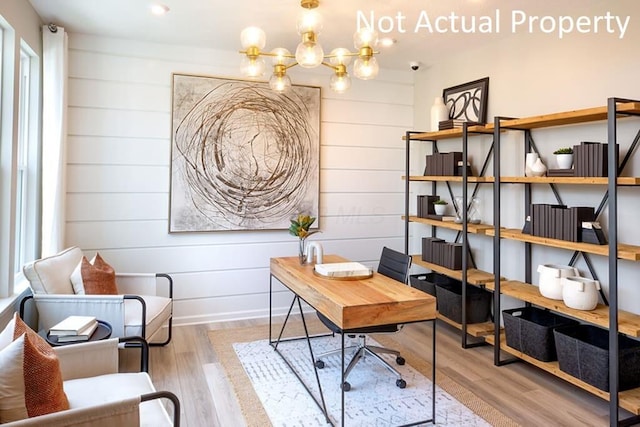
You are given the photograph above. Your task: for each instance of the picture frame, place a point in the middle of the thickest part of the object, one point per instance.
(468, 101)
(243, 157)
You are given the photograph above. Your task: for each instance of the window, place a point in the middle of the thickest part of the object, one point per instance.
(26, 154)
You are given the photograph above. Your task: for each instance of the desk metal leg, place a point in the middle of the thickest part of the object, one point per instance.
(321, 404)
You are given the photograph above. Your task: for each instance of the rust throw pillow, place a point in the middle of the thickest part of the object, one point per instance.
(97, 278)
(30, 377)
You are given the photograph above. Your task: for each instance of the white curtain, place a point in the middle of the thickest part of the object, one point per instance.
(54, 135)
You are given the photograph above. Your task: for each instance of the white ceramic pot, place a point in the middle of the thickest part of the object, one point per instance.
(565, 161)
(440, 209)
(550, 281)
(580, 293)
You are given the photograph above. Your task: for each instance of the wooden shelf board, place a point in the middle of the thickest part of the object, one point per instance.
(471, 228)
(628, 252)
(478, 330)
(568, 117)
(474, 277)
(449, 133)
(440, 178)
(628, 323)
(623, 180)
(629, 399)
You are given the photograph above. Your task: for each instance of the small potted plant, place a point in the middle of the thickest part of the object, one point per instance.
(440, 206)
(300, 228)
(564, 157)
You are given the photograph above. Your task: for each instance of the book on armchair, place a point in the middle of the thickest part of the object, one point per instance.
(74, 325)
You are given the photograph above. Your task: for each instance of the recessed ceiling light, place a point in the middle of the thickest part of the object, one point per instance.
(159, 9)
(387, 42)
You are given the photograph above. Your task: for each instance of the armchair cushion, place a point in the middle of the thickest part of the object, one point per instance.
(30, 377)
(51, 275)
(94, 278)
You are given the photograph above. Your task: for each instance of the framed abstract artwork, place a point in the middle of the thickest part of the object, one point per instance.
(468, 101)
(243, 157)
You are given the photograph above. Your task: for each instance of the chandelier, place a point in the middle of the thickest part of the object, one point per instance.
(309, 53)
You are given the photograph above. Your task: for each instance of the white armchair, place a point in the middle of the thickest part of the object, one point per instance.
(144, 306)
(100, 396)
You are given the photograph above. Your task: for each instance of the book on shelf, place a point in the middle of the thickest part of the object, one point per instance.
(73, 325)
(83, 335)
(454, 123)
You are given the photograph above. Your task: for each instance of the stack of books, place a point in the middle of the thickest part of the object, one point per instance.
(454, 123)
(74, 328)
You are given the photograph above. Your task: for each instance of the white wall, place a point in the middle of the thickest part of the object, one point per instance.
(118, 175)
(532, 74)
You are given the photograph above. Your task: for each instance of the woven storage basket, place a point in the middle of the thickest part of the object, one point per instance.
(427, 282)
(530, 330)
(449, 297)
(583, 351)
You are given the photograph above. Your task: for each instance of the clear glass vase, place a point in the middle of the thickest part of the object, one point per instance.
(302, 251)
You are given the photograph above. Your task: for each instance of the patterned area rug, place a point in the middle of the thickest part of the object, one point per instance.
(374, 399)
(270, 394)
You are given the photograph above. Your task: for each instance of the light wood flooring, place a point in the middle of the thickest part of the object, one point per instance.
(528, 395)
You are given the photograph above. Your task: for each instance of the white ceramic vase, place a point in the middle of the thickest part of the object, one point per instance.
(580, 293)
(550, 281)
(530, 159)
(538, 168)
(439, 113)
(565, 161)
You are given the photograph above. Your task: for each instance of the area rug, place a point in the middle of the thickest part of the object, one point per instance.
(374, 399)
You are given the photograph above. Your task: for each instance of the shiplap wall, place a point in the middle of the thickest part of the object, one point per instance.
(118, 165)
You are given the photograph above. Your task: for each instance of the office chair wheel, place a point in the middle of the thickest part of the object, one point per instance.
(319, 364)
(400, 360)
(401, 383)
(346, 386)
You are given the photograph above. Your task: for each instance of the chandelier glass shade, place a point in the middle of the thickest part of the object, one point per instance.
(309, 53)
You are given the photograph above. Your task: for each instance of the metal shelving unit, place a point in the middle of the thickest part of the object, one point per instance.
(617, 321)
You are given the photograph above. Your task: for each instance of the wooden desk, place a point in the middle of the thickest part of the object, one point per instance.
(378, 300)
(350, 304)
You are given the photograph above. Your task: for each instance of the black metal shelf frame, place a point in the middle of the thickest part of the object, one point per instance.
(609, 199)
(464, 214)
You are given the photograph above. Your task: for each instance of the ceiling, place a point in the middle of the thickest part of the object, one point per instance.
(217, 23)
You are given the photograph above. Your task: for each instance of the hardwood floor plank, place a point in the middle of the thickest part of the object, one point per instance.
(189, 367)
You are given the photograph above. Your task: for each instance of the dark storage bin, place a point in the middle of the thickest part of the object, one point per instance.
(530, 331)
(449, 297)
(427, 282)
(583, 351)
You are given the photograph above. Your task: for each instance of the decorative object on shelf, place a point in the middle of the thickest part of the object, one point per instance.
(300, 228)
(529, 161)
(474, 213)
(309, 53)
(580, 293)
(564, 157)
(242, 156)
(439, 113)
(314, 248)
(440, 206)
(538, 168)
(468, 101)
(550, 280)
(592, 233)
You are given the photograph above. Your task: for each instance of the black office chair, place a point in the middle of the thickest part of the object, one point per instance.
(392, 264)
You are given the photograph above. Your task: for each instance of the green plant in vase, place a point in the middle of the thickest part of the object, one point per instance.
(300, 228)
(564, 157)
(440, 206)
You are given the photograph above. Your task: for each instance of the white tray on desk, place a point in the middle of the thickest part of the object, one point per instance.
(343, 271)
